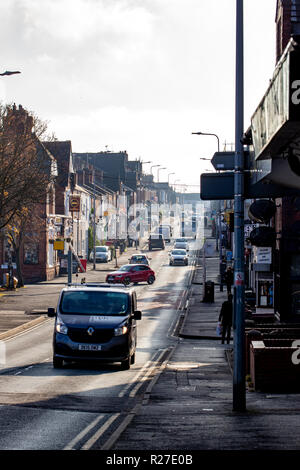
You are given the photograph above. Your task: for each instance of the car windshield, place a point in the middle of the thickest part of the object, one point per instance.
(138, 258)
(90, 302)
(126, 267)
(101, 248)
(178, 252)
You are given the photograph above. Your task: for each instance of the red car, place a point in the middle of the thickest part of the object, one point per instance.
(132, 273)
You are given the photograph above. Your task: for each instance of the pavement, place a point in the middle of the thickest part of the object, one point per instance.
(188, 404)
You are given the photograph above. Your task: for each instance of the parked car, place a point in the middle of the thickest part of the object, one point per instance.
(129, 273)
(103, 254)
(156, 240)
(178, 256)
(139, 259)
(95, 324)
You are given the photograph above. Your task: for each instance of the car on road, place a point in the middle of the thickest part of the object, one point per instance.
(139, 258)
(156, 240)
(103, 254)
(181, 245)
(132, 273)
(95, 323)
(178, 256)
(166, 231)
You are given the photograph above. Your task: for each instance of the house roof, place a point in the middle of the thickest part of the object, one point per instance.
(62, 152)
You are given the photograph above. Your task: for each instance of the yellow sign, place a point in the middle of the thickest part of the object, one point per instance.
(105, 213)
(59, 245)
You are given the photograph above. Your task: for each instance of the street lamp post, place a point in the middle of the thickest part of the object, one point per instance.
(219, 228)
(8, 72)
(239, 388)
(208, 133)
(169, 177)
(158, 170)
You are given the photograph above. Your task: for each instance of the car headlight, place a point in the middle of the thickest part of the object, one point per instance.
(62, 328)
(121, 330)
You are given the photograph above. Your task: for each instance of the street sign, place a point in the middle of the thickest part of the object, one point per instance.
(59, 245)
(223, 161)
(220, 186)
(74, 203)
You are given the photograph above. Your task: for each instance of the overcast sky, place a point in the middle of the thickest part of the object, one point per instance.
(137, 75)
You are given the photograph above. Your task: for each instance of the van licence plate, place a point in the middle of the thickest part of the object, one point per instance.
(89, 347)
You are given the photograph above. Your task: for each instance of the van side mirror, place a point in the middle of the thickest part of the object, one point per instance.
(137, 315)
(51, 312)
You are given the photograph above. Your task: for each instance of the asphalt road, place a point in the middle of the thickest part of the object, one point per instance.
(82, 407)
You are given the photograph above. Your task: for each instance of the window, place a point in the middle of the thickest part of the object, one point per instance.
(94, 303)
(31, 253)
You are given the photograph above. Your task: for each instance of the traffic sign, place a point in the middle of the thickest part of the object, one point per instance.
(220, 186)
(223, 161)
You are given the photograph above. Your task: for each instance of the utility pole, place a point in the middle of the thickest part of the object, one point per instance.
(239, 388)
(94, 220)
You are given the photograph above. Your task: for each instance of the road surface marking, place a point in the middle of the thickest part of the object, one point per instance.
(100, 432)
(83, 433)
(149, 371)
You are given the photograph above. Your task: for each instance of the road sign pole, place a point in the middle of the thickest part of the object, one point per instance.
(239, 389)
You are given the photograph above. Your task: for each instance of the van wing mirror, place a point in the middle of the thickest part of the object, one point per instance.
(137, 315)
(51, 312)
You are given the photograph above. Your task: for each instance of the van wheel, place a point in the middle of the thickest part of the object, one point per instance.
(125, 365)
(150, 279)
(58, 362)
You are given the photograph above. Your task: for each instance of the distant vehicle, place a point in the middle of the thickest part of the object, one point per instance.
(139, 259)
(181, 240)
(129, 273)
(103, 254)
(166, 231)
(181, 245)
(178, 256)
(156, 241)
(95, 324)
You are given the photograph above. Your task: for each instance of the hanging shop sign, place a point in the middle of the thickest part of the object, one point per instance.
(74, 203)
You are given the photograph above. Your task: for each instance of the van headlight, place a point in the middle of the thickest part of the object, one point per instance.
(62, 328)
(121, 330)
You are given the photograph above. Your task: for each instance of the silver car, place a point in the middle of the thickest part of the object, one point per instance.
(181, 245)
(103, 254)
(178, 256)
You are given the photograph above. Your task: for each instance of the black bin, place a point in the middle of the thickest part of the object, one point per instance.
(209, 292)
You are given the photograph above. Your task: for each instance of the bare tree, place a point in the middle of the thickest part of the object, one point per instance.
(26, 167)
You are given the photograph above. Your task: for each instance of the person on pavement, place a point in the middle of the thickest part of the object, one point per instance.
(229, 279)
(225, 318)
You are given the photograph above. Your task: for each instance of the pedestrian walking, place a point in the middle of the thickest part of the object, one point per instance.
(225, 318)
(229, 279)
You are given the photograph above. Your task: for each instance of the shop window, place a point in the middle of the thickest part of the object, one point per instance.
(265, 293)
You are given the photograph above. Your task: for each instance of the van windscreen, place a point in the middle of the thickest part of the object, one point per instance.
(87, 302)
